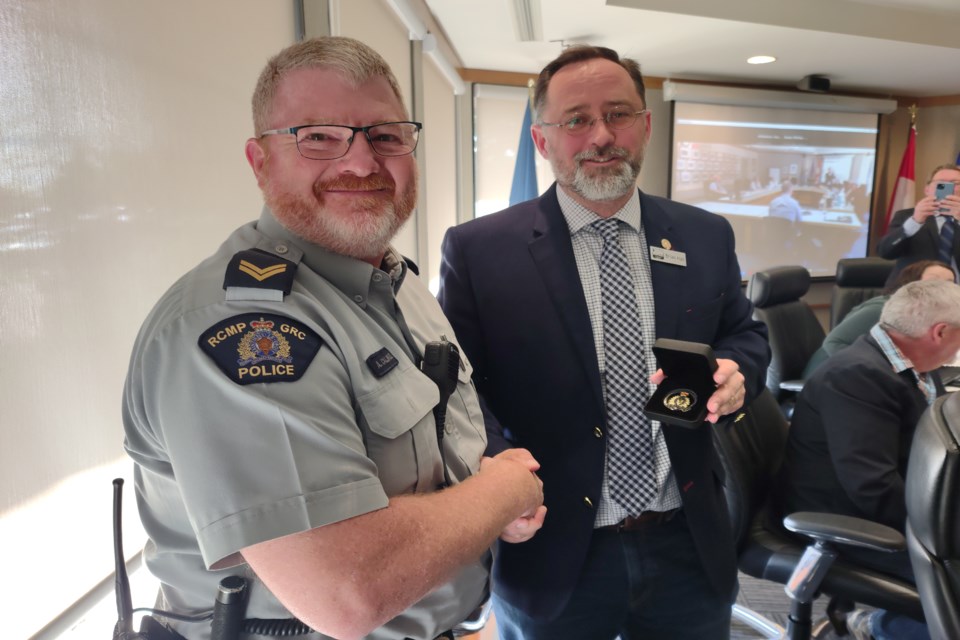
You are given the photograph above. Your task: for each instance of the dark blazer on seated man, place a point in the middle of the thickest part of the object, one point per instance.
(511, 289)
(850, 437)
(853, 425)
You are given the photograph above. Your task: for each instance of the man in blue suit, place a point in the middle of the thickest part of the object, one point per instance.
(526, 291)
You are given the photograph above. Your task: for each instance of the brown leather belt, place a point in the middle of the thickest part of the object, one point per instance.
(636, 523)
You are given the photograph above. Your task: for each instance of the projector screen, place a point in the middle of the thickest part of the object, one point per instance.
(795, 184)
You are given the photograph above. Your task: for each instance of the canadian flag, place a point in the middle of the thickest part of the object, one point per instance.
(904, 192)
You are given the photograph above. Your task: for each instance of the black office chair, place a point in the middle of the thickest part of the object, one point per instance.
(794, 331)
(857, 279)
(933, 515)
(751, 448)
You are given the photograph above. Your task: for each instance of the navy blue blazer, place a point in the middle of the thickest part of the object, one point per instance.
(512, 292)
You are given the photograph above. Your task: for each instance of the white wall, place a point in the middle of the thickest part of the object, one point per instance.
(441, 173)
(656, 161)
(122, 127)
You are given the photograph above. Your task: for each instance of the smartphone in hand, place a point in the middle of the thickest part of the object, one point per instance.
(940, 191)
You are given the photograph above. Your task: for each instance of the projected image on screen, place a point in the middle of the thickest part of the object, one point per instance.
(795, 184)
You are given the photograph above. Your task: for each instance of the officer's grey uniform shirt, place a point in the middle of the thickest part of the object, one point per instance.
(587, 246)
(221, 466)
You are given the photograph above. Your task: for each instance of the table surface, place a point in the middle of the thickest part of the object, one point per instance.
(833, 217)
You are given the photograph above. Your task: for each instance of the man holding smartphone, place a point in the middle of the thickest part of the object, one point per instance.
(929, 230)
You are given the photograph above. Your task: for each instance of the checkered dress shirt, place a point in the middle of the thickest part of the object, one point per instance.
(587, 246)
(900, 362)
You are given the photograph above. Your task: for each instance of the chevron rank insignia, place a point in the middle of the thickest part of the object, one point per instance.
(255, 269)
(261, 347)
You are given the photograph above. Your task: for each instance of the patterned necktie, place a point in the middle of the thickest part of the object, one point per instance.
(630, 452)
(946, 240)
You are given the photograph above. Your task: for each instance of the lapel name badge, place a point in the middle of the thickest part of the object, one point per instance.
(658, 254)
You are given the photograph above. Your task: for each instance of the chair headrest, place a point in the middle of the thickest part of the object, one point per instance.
(863, 272)
(778, 285)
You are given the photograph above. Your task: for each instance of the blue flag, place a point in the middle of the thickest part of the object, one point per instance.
(525, 170)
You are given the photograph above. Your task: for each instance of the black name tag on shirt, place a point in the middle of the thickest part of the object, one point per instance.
(382, 362)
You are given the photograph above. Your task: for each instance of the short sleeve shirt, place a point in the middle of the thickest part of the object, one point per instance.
(225, 460)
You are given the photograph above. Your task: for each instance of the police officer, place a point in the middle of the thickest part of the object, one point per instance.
(275, 408)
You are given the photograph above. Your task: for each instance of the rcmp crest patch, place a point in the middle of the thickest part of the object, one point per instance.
(264, 347)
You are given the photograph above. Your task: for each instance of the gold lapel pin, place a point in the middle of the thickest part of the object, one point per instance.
(665, 244)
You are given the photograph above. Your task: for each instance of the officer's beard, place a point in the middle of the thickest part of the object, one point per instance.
(362, 230)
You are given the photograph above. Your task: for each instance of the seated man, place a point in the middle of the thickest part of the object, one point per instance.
(716, 190)
(781, 229)
(862, 317)
(785, 206)
(853, 424)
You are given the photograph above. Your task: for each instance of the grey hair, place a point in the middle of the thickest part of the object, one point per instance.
(352, 58)
(917, 306)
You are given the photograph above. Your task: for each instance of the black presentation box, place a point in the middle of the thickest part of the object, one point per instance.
(681, 399)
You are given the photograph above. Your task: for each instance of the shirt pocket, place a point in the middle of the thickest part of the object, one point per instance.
(396, 415)
(466, 394)
(464, 412)
(398, 401)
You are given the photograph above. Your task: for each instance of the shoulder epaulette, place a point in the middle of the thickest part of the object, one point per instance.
(254, 274)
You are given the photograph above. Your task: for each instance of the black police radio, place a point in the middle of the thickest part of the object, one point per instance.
(441, 359)
(150, 629)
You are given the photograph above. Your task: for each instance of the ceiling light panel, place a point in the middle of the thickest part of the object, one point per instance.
(527, 22)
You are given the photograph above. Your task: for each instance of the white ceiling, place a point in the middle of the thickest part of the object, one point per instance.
(881, 47)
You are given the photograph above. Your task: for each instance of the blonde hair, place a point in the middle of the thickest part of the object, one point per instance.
(351, 58)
